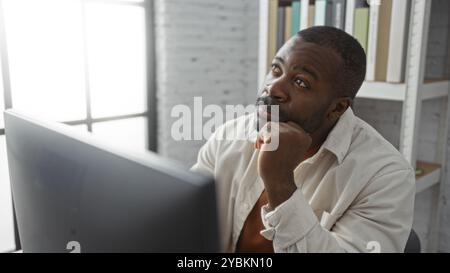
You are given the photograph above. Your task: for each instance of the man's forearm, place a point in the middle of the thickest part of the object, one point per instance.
(279, 189)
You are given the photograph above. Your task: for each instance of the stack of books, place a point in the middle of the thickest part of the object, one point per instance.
(380, 26)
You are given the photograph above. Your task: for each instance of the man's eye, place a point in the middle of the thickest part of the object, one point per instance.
(301, 83)
(276, 70)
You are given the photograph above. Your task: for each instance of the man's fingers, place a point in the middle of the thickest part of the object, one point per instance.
(266, 134)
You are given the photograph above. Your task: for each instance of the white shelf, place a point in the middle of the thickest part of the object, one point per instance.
(430, 177)
(396, 91)
(435, 89)
(382, 91)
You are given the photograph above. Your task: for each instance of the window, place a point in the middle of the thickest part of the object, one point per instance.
(81, 62)
(116, 55)
(128, 133)
(44, 42)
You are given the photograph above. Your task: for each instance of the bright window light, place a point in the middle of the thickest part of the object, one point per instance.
(80, 127)
(116, 54)
(44, 40)
(6, 212)
(128, 134)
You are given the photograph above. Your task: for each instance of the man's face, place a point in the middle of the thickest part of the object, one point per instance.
(303, 81)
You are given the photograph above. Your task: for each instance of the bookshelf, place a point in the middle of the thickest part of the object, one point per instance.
(411, 92)
(396, 91)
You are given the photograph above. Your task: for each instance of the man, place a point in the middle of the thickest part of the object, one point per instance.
(333, 184)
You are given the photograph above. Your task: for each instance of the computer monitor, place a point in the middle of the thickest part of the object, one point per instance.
(73, 193)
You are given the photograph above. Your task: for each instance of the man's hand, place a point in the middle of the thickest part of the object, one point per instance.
(276, 168)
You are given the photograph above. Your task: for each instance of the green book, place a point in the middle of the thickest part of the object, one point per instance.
(361, 26)
(295, 17)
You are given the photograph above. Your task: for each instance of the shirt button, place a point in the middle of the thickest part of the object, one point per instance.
(246, 206)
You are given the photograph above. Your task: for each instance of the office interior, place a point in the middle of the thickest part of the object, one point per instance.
(115, 70)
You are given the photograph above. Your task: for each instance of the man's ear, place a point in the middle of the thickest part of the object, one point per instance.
(338, 107)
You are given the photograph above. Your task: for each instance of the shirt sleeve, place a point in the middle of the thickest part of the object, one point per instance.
(379, 220)
(206, 157)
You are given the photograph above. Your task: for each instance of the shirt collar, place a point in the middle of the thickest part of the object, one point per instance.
(339, 139)
(337, 142)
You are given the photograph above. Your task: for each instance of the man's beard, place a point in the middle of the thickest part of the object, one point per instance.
(309, 125)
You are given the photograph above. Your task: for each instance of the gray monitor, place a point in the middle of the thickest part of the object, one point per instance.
(73, 193)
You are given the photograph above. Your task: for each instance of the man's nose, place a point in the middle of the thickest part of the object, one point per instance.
(277, 90)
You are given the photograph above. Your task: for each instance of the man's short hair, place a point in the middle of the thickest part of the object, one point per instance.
(350, 50)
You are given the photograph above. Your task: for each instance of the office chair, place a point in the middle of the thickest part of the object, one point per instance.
(413, 243)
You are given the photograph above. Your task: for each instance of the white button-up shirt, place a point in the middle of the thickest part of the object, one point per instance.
(356, 194)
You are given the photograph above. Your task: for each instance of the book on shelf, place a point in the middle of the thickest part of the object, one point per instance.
(361, 23)
(280, 27)
(349, 16)
(338, 14)
(330, 13)
(272, 30)
(378, 41)
(311, 13)
(304, 12)
(398, 37)
(307, 13)
(382, 50)
(296, 15)
(372, 40)
(320, 13)
(287, 23)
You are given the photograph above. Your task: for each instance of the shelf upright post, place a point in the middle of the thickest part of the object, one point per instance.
(414, 78)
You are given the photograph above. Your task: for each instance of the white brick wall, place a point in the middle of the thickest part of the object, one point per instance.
(208, 48)
(205, 48)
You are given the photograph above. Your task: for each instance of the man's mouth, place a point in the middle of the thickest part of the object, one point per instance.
(264, 112)
(266, 108)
